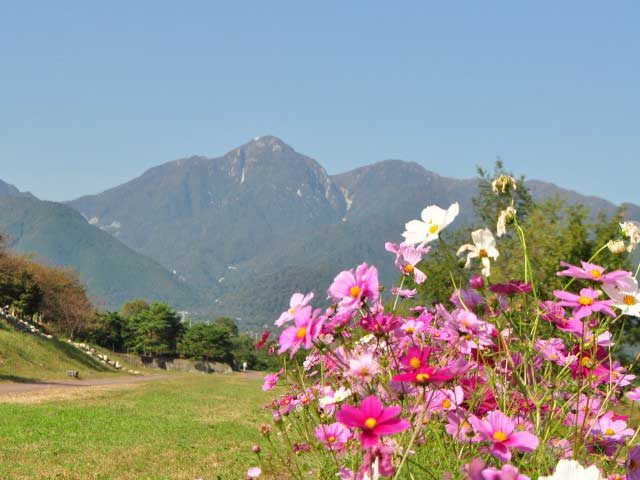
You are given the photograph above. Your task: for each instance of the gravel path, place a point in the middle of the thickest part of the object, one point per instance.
(8, 388)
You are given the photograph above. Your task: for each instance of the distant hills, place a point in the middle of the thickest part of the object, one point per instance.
(248, 228)
(237, 234)
(59, 235)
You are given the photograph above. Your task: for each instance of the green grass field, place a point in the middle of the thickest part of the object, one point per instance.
(186, 427)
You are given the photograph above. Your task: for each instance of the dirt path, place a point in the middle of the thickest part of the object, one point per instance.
(11, 388)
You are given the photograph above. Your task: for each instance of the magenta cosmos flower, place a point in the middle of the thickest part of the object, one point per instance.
(351, 289)
(306, 330)
(499, 429)
(372, 419)
(585, 303)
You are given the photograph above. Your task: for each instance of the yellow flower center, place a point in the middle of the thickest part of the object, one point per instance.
(585, 362)
(482, 253)
(596, 273)
(370, 423)
(364, 371)
(500, 436)
(410, 330)
(331, 439)
(422, 377)
(408, 268)
(609, 431)
(446, 403)
(355, 291)
(465, 425)
(629, 300)
(415, 362)
(433, 229)
(302, 331)
(292, 311)
(585, 301)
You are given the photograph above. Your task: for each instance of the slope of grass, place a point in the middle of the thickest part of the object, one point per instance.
(183, 428)
(25, 358)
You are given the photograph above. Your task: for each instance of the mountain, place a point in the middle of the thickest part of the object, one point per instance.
(249, 228)
(114, 273)
(8, 190)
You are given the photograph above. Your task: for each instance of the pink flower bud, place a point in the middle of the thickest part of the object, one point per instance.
(476, 282)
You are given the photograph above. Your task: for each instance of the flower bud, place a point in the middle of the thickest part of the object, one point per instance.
(476, 282)
(255, 448)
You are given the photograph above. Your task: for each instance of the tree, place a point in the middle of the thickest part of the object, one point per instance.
(207, 342)
(227, 324)
(108, 331)
(156, 330)
(134, 307)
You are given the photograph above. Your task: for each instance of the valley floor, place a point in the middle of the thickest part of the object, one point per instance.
(176, 427)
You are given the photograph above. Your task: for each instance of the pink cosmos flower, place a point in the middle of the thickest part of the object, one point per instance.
(306, 330)
(585, 303)
(334, 436)
(271, 379)
(445, 400)
(612, 430)
(556, 314)
(633, 463)
(634, 394)
(591, 271)
(459, 427)
(404, 293)
(372, 419)
(350, 289)
(253, 472)
(407, 257)
(364, 367)
(499, 429)
(507, 472)
(298, 300)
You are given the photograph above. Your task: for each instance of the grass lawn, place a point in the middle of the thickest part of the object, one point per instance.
(186, 427)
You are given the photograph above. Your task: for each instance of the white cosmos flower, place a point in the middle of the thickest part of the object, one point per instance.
(434, 220)
(631, 230)
(484, 247)
(572, 470)
(626, 297)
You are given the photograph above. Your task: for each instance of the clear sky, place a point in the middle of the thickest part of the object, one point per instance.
(94, 93)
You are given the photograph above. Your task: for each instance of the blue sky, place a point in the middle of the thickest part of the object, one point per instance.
(94, 93)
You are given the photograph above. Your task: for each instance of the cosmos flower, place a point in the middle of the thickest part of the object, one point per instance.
(591, 271)
(407, 257)
(632, 463)
(484, 247)
(434, 221)
(572, 470)
(334, 436)
(503, 218)
(351, 289)
(307, 328)
(626, 297)
(298, 300)
(499, 429)
(632, 231)
(372, 419)
(585, 303)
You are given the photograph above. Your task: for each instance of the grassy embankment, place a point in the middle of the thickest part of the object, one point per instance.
(185, 427)
(26, 358)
